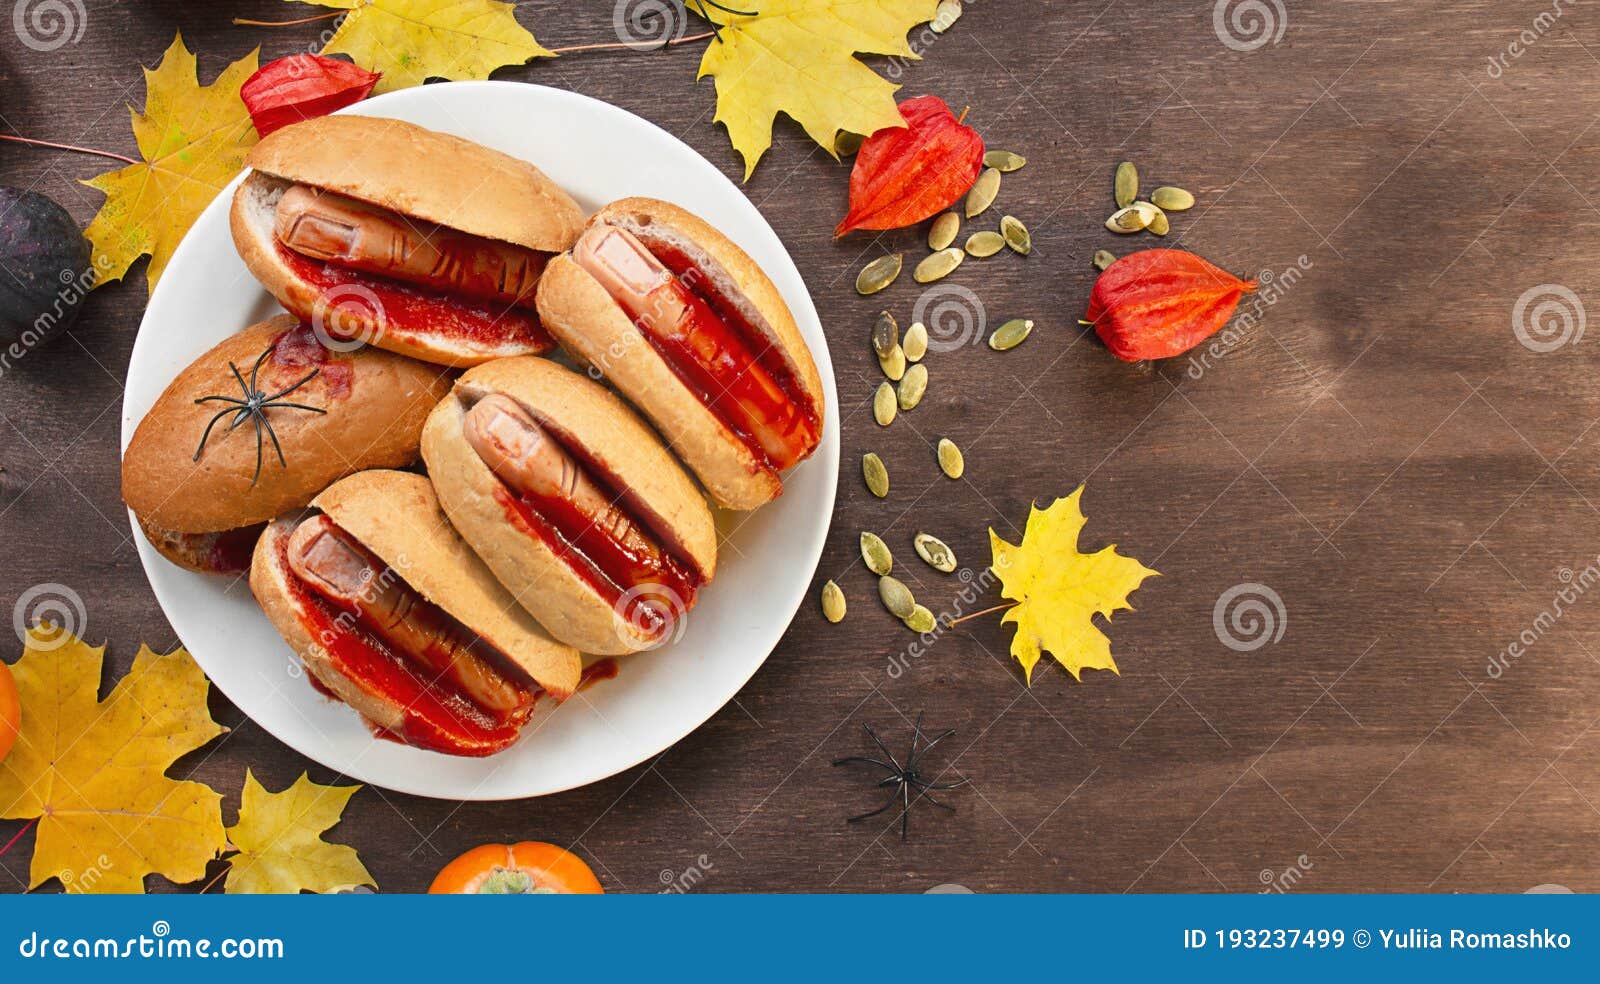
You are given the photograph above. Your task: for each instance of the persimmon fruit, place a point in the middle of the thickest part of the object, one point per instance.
(10, 711)
(528, 868)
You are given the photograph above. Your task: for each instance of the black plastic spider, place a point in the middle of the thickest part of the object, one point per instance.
(904, 778)
(254, 408)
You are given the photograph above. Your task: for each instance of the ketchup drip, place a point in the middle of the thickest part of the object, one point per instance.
(409, 310)
(436, 717)
(727, 383)
(297, 351)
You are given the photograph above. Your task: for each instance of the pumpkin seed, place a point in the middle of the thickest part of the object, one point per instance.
(937, 265)
(847, 143)
(1159, 225)
(981, 244)
(1103, 258)
(832, 603)
(945, 17)
(1125, 220)
(876, 553)
(933, 550)
(1003, 161)
(1016, 235)
(916, 343)
(951, 461)
(885, 334)
(983, 191)
(1011, 334)
(920, 620)
(944, 229)
(1172, 199)
(878, 274)
(876, 475)
(895, 365)
(1126, 185)
(896, 597)
(913, 386)
(883, 404)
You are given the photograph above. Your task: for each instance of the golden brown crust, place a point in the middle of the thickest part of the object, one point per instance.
(376, 403)
(427, 175)
(396, 515)
(250, 219)
(609, 433)
(577, 310)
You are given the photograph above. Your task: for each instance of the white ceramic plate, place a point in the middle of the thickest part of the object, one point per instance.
(598, 153)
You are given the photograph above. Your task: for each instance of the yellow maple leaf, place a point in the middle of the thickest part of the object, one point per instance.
(94, 772)
(411, 41)
(193, 139)
(797, 57)
(1058, 590)
(280, 845)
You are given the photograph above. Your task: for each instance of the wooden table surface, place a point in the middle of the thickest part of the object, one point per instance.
(1391, 463)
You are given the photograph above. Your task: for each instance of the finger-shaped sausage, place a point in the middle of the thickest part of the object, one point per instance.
(360, 236)
(333, 564)
(697, 341)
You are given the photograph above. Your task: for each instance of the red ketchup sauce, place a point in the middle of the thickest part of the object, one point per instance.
(297, 352)
(410, 311)
(600, 669)
(231, 549)
(436, 717)
(731, 366)
(662, 586)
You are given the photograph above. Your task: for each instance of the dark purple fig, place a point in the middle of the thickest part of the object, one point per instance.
(44, 271)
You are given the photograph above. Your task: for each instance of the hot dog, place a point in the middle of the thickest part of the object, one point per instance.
(686, 326)
(203, 496)
(412, 240)
(341, 230)
(573, 502)
(390, 612)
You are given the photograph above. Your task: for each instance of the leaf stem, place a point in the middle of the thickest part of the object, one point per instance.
(227, 867)
(72, 147)
(987, 611)
(635, 45)
(25, 828)
(246, 22)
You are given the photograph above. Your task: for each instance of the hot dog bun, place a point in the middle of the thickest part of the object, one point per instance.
(396, 516)
(374, 406)
(423, 175)
(583, 415)
(577, 309)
